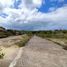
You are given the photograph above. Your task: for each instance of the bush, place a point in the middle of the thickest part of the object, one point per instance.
(65, 47)
(1, 54)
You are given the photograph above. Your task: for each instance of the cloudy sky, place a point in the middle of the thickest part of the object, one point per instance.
(33, 14)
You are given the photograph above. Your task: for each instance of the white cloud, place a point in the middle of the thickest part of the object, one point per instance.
(28, 14)
(30, 4)
(37, 2)
(55, 16)
(6, 2)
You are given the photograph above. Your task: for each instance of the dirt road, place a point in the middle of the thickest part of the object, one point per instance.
(42, 53)
(9, 41)
(39, 52)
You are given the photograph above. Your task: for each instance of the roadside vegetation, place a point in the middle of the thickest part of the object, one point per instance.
(1, 54)
(24, 40)
(8, 32)
(57, 36)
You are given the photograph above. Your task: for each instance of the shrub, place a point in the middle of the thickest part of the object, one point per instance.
(1, 54)
(24, 40)
(65, 47)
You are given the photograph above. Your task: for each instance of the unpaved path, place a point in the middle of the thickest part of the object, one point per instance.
(42, 53)
(10, 49)
(9, 41)
(38, 52)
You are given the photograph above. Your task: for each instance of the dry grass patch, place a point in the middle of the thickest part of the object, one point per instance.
(24, 40)
(60, 41)
(8, 52)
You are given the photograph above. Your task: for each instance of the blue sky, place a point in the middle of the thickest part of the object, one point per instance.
(52, 3)
(33, 14)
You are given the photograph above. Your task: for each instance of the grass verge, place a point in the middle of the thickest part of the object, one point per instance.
(60, 42)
